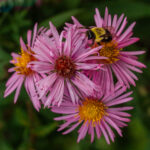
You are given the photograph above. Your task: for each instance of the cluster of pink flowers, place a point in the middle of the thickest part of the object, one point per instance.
(84, 82)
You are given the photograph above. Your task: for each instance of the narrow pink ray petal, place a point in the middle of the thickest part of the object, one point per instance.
(109, 20)
(129, 29)
(104, 133)
(22, 44)
(72, 128)
(132, 52)
(98, 18)
(122, 27)
(29, 33)
(83, 132)
(34, 34)
(98, 132)
(106, 17)
(110, 132)
(55, 33)
(118, 22)
(112, 103)
(119, 118)
(18, 90)
(132, 62)
(113, 124)
(114, 21)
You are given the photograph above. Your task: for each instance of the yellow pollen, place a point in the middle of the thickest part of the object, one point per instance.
(22, 62)
(92, 110)
(111, 51)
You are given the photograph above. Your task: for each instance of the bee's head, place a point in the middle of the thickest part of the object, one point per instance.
(90, 34)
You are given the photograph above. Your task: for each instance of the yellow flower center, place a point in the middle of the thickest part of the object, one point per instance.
(92, 110)
(22, 62)
(109, 50)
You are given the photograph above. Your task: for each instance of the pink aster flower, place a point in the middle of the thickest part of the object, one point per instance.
(120, 62)
(63, 60)
(96, 115)
(23, 73)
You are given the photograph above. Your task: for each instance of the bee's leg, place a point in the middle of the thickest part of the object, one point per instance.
(93, 41)
(99, 43)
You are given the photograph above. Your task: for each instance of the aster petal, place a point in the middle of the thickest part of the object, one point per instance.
(132, 62)
(120, 101)
(85, 84)
(121, 108)
(64, 110)
(98, 132)
(86, 66)
(11, 69)
(63, 126)
(15, 55)
(118, 22)
(112, 96)
(110, 132)
(83, 132)
(41, 67)
(34, 34)
(55, 33)
(72, 93)
(133, 68)
(12, 79)
(109, 20)
(119, 123)
(76, 22)
(22, 44)
(29, 33)
(56, 94)
(114, 21)
(91, 130)
(132, 52)
(113, 124)
(98, 18)
(45, 83)
(92, 51)
(18, 90)
(119, 118)
(72, 128)
(119, 113)
(126, 74)
(127, 32)
(67, 45)
(106, 16)
(131, 74)
(121, 78)
(127, 42)
(33, 93)
(63, 117)
(104, 133)
(122, 27)
(13, 86)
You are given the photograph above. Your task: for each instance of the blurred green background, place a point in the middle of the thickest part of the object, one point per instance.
(21, 127)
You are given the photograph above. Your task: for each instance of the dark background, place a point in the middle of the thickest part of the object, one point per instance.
(21, 127)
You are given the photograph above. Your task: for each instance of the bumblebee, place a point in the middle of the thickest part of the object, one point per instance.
(99, 35)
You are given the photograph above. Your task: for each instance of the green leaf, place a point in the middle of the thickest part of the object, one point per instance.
(21, 117)
(130, 8)
(61, 18)
(4, 61)
(4, 145)
(73, 4)
(45, 130)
